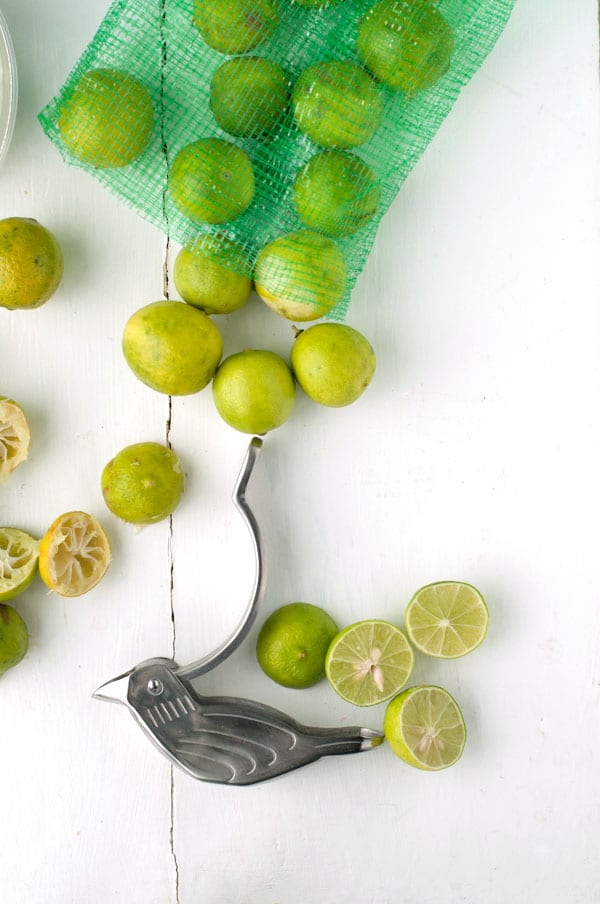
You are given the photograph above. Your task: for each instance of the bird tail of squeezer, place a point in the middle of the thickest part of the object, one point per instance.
(334, 741)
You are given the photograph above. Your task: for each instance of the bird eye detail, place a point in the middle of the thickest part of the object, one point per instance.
(155, 687)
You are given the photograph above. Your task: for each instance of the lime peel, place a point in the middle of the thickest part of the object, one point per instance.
(15, 437)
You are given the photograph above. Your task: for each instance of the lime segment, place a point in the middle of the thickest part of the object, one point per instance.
(19, 555)
(425, 727)
(369, 662)
(447, 619)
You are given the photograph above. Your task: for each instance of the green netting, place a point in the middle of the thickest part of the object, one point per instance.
(270, 121)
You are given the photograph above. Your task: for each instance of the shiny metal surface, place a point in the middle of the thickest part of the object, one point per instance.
(226, 739)
(8, 87)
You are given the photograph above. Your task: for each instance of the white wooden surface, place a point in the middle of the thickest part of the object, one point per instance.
(474, 455)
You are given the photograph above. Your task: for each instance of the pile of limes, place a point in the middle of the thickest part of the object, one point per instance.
(371, 661)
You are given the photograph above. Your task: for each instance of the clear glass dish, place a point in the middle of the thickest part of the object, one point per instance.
(8, 87)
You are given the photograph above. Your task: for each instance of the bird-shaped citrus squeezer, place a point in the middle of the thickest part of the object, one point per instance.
(226, 739)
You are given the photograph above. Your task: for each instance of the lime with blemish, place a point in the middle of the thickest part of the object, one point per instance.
(172, 347)
(235, 26)
(143, 483)
(31, 264)
(212, 273)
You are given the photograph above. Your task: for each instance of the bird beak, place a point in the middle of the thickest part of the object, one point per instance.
(114, 691)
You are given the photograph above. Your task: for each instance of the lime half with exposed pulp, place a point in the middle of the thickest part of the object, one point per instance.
(19, 555)
(447, 619)
(369, 662)
(425, 727)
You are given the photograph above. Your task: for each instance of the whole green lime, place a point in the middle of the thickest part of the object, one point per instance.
(337, 104)
(254, 391)
(249, 95)
(301, 276)
(143, 483)
(211, 181)
(211, 273)
(293, 642)
(406, 44)
(235, 26)
(31, 264)
(336, 193)
(172, 347)
(333, 363)
(14, 638)
(108, 119)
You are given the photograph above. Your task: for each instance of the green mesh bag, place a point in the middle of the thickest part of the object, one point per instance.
(285, 128)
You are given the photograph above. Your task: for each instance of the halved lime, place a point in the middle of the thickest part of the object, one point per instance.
(19, 554)
(447, 619)
(369, 662)
(425, 727)
(14, 437)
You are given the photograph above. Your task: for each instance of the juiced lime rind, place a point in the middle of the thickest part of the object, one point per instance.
(433, 605)
(15, 437)
(14, 638)
(19, 554)
(75, 554)
(425, 727)
(346, 664)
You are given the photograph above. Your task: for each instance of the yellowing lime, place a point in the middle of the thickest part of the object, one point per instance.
(333, 363)
(108, 119)
(301, 276)
(211, 181)
(254, 391)
(292, 644)
(235, 26)
(143, 483)
(425, 727)
(14, 437)
(31, 264)
(369, 662)
(211, 273)
(447, 619)
(74, 554)
(172, 347)
(19, 555)
(14, 638)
